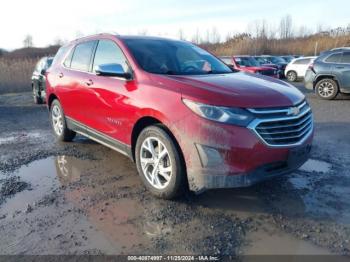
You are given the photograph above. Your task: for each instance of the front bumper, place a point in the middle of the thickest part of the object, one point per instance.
(211, 178)
(226, 156)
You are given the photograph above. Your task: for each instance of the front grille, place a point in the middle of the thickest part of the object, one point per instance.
(268, 72)
(277, 127)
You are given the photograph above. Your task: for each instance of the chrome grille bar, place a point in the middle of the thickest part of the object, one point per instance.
(277, 129)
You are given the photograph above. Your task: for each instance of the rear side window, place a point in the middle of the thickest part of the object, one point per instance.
(302, 61)
(67, 62)
(82, 56)
(335, 58)
(108, 52)
(60, 53)
(346, 58)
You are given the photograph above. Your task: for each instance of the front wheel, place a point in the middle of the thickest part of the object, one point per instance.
(326, 89)
(59, 125)
(159, 163)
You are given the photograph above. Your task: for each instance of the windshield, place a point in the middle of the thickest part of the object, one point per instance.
(260, 60)
(171, 57)
(288, 58)
(247, 61)
(276, 60)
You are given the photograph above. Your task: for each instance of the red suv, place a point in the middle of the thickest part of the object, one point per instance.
(184, 117)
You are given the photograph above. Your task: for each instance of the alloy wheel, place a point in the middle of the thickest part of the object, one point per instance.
(155, 162)
(291, 76)
(57, 120)
(326, 89)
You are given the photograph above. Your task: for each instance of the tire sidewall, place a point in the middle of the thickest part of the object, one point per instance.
(67, 135)
(336, 89)
(176, 179)
(294, 74)
(37, 99)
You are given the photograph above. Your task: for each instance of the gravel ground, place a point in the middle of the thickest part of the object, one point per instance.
(82, 198)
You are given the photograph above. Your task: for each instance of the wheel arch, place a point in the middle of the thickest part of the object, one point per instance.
(147, 121)
(52, 97)
(326, 76)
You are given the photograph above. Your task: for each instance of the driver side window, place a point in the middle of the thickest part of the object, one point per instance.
(108, 52)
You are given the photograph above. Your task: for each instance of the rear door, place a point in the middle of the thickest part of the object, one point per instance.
(74, 77)
(344, 70)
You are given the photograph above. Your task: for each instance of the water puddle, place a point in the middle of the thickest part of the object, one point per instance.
(116, 216)
(102, 190)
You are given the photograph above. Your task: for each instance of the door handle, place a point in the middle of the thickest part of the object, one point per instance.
(89, 82)
(339, 67)
(60, 75)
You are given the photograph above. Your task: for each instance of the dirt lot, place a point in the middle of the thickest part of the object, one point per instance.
(82, 198)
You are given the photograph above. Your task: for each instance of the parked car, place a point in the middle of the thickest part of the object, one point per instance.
(287, 58)
(278, 61)
(263, 62)
(330, 74)
(184, 117)
(38, 79)
(297, 68)
(248, 64)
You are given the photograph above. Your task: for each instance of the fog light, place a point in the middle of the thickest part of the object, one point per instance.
(209, 156)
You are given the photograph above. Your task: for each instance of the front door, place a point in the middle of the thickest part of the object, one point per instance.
(109, 103)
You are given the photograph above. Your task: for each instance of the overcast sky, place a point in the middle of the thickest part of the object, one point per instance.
(49, 20)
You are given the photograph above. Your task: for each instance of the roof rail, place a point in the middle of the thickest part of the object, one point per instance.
(341, 48)
(103, 33)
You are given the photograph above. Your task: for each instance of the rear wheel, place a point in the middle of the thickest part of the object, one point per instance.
(159, 163)
(292, 76)
(326, 89)
(59, 125)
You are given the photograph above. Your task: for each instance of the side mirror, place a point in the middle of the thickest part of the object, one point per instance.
(43, 71)
(112, 70)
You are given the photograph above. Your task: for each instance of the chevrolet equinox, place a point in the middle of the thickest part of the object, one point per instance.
(184, 117)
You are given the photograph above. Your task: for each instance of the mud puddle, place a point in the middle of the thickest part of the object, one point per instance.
(76, 206)
(79, 200)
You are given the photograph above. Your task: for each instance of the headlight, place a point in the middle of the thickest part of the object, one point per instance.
(229, 115)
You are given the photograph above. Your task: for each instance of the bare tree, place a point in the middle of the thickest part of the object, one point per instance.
(58, 41)
(196, 38)
(181, 34)
(28, 41)
(215, 35)
(286, 27)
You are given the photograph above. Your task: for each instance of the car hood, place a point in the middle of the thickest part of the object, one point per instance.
(238, 89)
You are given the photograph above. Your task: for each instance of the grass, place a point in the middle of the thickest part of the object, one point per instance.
(15, 74)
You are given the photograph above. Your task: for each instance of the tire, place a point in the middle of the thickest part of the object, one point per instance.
(170, 182)
(58, 122)
(37, 99)
(326, 89)
(292, 76)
